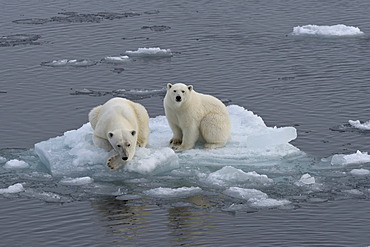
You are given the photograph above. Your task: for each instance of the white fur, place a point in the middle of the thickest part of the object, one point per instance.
(194, 116)
(120, 124)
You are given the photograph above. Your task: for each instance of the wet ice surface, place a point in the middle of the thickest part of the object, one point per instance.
(257, 169)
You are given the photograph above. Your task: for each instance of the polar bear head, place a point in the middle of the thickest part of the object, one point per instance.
(123, 142)
(179, 92)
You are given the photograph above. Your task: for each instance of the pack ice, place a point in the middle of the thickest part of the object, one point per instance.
(252, 143)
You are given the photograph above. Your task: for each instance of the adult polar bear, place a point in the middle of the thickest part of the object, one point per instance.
(120, 124)
(194, 116)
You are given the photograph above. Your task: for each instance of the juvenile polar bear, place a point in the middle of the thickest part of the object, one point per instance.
(120, 124)
(194, 116)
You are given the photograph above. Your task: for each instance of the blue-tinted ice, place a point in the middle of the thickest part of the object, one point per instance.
(258, 168)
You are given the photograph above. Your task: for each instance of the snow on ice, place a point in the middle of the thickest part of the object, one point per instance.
(252, 143)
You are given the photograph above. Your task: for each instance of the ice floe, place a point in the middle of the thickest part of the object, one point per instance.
(76, 181)
(334, 30)
(358, 125)
(16, 164)
(155, 52)
(173, 192)
(347, 159)
(306, 179)
(15, 188)
(255, 198)
(116, 59)
(360, 172)
(69, 62)
(229, 175)
(252, 143)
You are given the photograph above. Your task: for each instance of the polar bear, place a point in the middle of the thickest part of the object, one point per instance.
(120, 124)
(194, 116)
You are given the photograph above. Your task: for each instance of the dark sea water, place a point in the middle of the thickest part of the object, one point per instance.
(239, 51)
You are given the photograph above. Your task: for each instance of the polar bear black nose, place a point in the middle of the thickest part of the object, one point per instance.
(124, 158)
(178, 98)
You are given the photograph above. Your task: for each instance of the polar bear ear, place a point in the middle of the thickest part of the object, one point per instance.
(190, 87)
(169, 85)
(110, 134)
(133, 133)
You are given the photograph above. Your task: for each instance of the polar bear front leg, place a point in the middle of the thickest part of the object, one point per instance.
(114, 162)
(177, 135)
(102, 143)
(189, 138)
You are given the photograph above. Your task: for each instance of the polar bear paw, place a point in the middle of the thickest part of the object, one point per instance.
(175, 141)
(114, 162)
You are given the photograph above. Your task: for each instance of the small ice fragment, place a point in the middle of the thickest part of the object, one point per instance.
(117, 59)
(2, 159)
(334, 30)
(150, 52)
(245, 194)
(77, 181)
(360, 172)
(16, 188)
(232, 175)
(169, 192)
(16, 164)
(306, 179)
(269, 203)
(356, 158)
(358, 125)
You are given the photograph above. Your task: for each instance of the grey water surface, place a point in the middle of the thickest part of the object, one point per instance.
(239, 51)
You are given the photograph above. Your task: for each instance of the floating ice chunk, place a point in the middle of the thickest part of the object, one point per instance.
(169, 192)
(358, 125)
(2, 159)
(360, 172)
(117, 59)
(231, 175)
(77, 181)
(335, 30)
(356, 158)
(245, 194)
(69, 62)
(16, 164)
(74, 154)
(306, 179)
(150, 52)
(255, 198)
(269, 203)
(16, 188)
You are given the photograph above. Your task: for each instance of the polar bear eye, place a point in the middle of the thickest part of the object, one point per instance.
(128, 144)
(174, 91)
(119, 146)
(183, 91)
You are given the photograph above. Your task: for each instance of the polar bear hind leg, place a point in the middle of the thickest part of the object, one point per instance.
(215, 130)
(94, 116)
(143, 121)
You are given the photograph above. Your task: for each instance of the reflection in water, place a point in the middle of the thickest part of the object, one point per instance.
(139, 222)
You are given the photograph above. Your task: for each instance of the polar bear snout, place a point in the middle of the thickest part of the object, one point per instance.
(178, 98)
(124, 158)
